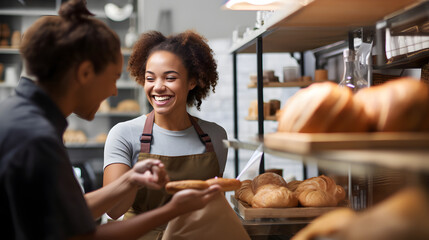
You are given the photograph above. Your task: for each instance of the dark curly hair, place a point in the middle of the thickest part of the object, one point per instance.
(55, 44)
(195, 53)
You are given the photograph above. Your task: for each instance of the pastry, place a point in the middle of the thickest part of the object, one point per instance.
(227, 184)
(293, 185)
(175, 186)
(320, 108)
(274, 196)
(397, 105)
(128, 106)
(320, 191)
(267, 178)
(245, 192)
(327, 224)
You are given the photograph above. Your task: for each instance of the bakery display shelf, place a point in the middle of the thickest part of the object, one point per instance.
(86, 145)
(403, 151)
(282, 84)
(127, 84)
(409, 60)
(117, 114)
(28, 12)
(317, 24)
(9, 50)
(248, 213)
(267, 118)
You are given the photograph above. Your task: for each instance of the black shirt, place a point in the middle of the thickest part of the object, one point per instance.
(39, 195)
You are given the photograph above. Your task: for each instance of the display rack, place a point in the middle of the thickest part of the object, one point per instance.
(305, 27)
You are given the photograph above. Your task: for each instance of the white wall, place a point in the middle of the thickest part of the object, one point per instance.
(204, 16)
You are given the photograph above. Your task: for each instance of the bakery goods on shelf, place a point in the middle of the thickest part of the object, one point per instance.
(104, 106)
(401, 216)
(321, 108)
(101, 138)
(270, 109)
(128, 105)
(320, 191)
(270, 190)
(267, 76)
(226, 184)
(274, 196)
(74, 136)
(397, 105)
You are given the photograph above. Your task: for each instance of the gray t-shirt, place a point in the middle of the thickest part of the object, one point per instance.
(123, 142)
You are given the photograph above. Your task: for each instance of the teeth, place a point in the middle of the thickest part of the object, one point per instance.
(164, 98)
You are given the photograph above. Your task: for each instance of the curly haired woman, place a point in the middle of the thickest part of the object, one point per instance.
(176, 72)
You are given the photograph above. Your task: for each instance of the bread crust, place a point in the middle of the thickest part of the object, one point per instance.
(176, 186)
(226, 184)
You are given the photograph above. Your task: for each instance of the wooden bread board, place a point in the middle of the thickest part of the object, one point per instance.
(249, 213)
(303, 143)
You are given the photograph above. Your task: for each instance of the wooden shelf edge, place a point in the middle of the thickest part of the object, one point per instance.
(282, 84)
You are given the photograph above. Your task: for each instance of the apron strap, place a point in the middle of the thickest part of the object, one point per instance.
(204, 137)
(146, 137)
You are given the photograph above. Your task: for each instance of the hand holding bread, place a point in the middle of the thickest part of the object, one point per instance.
(226, 184)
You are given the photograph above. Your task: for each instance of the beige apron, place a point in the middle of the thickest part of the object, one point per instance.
(198, 166)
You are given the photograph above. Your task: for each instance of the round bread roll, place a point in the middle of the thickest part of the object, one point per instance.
(226, 184)
(267, 178)
(320, 191)
(320, 108)
(274, 196)
(245, 193)
(397, 105)
(128, 106)
(176, 186)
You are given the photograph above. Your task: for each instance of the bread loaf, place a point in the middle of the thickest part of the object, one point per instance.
(267, 178)
(293, 185)
(245, 192)
(226, 184)
(274, 196)
(398, 105)
(128, 105)
(320, 192)
(322, 107)
(327, 224)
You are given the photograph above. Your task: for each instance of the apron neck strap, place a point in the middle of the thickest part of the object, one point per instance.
(204, 137)
(146, 137)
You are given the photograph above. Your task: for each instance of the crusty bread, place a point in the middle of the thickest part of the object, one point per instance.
(274, 196)
(327, 224)
(245, 193)
(320, 191)
(128, 105)
(401, 216)
(293, 185)
(397, 105)
(175, 186)
(267, 178)
(226, 184)
(320, 108)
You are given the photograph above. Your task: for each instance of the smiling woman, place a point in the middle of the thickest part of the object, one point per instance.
(176, 72)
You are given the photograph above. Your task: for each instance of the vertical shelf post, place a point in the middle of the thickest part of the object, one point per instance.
(235, 109)
(260, 87)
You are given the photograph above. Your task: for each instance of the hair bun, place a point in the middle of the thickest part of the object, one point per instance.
(74, 10)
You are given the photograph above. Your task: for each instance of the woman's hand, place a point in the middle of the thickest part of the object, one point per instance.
(149, 173)
(190, 199)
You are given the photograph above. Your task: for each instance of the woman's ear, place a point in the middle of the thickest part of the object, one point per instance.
(85, 72)
(191, 84)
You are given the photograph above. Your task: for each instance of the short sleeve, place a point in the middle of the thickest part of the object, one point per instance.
(118, 147)
(45, 198)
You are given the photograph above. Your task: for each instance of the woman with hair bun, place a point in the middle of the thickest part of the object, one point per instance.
(176, 72)
(74, 61)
